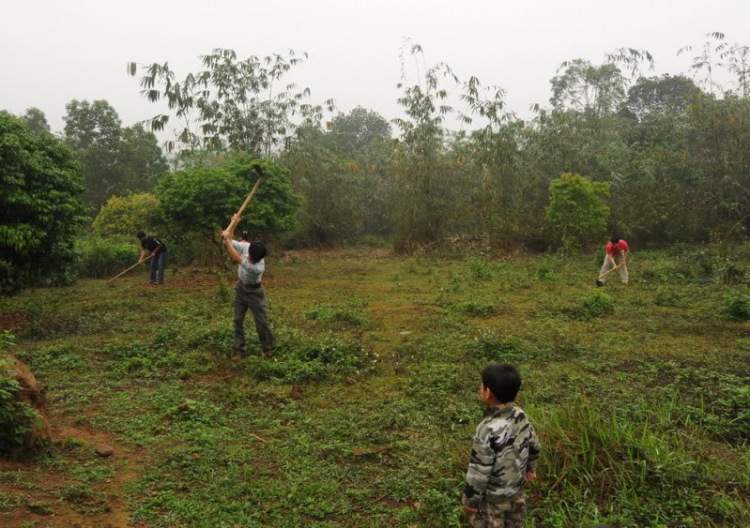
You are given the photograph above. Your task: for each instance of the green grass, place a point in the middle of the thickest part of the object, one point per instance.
(365, 414)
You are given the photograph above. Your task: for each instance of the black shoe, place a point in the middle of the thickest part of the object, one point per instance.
(599, 283)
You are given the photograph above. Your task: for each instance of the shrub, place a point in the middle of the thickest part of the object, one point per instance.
(546, 273)
(597, 304)
(16, 418)
(200, 198)
(126, 215)
(100, 257)
(576, 210)
(736, 304)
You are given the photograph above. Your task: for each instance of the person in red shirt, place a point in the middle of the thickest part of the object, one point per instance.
(616, 257)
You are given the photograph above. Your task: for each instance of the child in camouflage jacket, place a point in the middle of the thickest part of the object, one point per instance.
(504, 455)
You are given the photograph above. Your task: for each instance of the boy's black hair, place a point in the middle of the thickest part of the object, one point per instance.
(140, 234)
(244, 236)
(504, 381)
(615, 240)
(257, 251)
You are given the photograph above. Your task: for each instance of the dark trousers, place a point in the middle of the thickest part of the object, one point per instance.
(253, 299)
(158, 263)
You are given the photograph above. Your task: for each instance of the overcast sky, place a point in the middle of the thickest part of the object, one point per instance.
(53, 51)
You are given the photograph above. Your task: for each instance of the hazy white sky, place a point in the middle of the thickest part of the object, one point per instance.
(53, 51)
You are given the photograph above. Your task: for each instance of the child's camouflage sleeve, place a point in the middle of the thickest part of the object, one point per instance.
(535, 451)
(481, 463)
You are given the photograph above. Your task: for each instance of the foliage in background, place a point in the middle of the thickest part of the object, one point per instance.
(40, 207)
(124, 216)
(116, 160)
(35, 120)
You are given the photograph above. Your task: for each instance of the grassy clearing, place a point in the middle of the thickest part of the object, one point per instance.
(365, 415)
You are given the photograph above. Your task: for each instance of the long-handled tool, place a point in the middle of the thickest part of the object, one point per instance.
(252, 193)
(599, 280)
(130, 268)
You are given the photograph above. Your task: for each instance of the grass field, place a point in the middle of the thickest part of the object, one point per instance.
(365, 415)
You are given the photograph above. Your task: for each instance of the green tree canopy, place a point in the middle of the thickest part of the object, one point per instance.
(583, 86)
(202, 199)
(40, 206)
(124, 216)
(655, 96)
(357, 130)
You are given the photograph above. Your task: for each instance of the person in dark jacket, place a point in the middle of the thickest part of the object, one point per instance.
(158, 251)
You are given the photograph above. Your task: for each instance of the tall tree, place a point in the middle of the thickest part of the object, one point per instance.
(141, 159)
(40, 206)
(357, 130)
(35, 120)
(233, 105)
(117, 160)
(585, 87)
(94, 131)
(655, 96)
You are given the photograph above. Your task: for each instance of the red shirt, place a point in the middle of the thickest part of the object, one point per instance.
(614, 249)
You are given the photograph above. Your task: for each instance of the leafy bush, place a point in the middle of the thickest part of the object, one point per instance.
(736, 304)
(203, 197)
(597, 304)
(40, 207)
(100, 257)
(545, 272)
(126, 215)
(16, 418)
(576, 210)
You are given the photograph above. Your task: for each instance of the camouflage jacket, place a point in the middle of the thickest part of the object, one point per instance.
(505, 449)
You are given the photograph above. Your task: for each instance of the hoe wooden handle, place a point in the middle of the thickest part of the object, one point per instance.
(130, 268)
(252, 193)
(249, 197)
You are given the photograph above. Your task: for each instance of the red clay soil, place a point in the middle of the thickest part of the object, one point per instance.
(39, 487)
(11, 320)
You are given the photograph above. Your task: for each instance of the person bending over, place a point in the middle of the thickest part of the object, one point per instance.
(159, 256)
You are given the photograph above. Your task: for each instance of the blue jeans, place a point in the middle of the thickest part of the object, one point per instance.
(158, 262)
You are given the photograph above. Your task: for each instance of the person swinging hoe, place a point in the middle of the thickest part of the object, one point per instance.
(249, 292)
